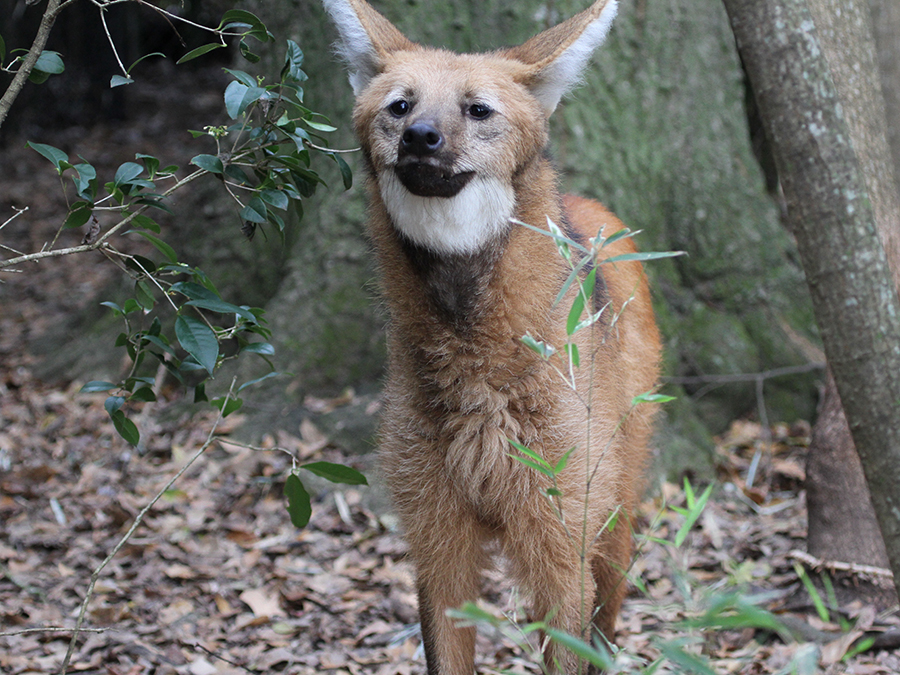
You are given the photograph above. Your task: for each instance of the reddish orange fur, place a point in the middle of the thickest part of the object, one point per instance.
(457, 390)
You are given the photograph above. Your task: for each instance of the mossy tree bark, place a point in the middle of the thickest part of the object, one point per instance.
(823, 159)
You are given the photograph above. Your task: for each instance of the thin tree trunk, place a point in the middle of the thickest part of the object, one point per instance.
(854, 297)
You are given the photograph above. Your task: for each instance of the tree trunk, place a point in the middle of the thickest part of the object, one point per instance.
(853, 293)
(846, 530)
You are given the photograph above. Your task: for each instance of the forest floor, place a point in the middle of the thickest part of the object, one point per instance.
(217, 580)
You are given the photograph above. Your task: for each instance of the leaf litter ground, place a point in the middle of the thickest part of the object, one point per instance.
(217, 580)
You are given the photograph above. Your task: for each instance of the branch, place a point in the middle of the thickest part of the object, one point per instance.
(18, 82)
(40, 255)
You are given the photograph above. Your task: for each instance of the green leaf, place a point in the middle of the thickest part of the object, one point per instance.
(144, 394)
(227, 404)
(336, 473)
(140, 264)
(573, 353)
(598, 655)
(690, 663)
(248, 53)
(234, 95)
(131, 306)
(319, 126)
(471, 614)
(119, 80)
(651, 398)
(200, 393)
(576, 270)
(692, 516)
(78, 216)
(146, 222)
(144, 294)
(615, 236)
(126, 428)
(263, 348)
(113, 403)
(50, 63)
(55, 155)
(642, 257)
(813, 592)
(199, 51)
(150, 162)
(293, 59)
(158, 342)
(95, 386)
(209, 163)
(222, 307)
(126, 173)
(244, 78)
(299, 502)
(195, 291)
(114, 307)
(561, 464)
(239, 18)
(162, 246)
(531, 459)
(534, 465)
(276, 198)
(85, 174)
(257, 380)
(3, 50)
(544, 350)
(198, 340)
(575, 313)
(346, 173)
(255, 211)
(145, 56)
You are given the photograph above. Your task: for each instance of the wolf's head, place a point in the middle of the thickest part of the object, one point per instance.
(445, 134)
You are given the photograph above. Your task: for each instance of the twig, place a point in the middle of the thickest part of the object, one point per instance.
(112, 44)
(53, 629)
(319, 147)
(18, 212)
(837, 566)
(745, 377)
(137, 522)
(102, 240)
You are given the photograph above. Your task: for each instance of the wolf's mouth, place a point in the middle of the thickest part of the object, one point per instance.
(426, 179)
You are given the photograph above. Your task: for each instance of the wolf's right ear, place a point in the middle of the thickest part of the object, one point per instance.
(366, 37)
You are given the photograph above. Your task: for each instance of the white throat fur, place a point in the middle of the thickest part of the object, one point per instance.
(460, 224)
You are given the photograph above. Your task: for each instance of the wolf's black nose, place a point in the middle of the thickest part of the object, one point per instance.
(421, 138)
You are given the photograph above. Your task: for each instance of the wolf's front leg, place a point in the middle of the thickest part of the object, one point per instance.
(449, 556)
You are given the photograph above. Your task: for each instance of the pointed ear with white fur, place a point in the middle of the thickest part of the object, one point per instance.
(560, 54)
(366, 37)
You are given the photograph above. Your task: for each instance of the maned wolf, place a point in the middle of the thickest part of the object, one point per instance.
(454, 145)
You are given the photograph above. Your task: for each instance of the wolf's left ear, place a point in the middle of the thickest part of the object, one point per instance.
(559, 54)
(366, 37)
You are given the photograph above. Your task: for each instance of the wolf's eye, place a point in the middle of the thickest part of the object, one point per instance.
(399, 108)
(480, 111)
